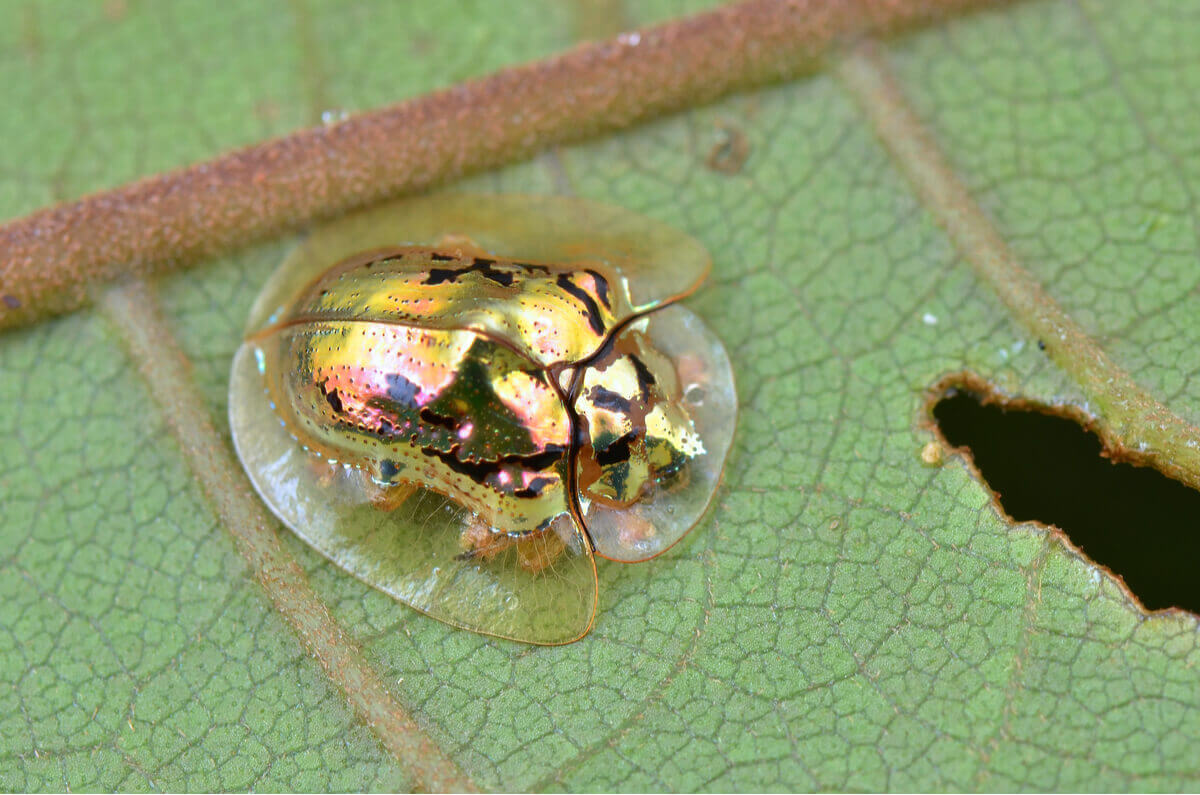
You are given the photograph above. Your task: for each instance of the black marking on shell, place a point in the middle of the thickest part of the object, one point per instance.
(529, 266)
(479, 265)
(332, 398)
(484, 471)
(617, 452)
(608, 400)
(433, 418)
(589, 304)
(534, 488)
(601, 287)
(645, 377)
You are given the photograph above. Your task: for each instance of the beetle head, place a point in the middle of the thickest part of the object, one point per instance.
(636, 432)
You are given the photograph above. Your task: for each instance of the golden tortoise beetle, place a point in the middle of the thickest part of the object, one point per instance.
(460, 399)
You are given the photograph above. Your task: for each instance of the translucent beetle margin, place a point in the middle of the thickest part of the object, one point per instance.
(460, 400)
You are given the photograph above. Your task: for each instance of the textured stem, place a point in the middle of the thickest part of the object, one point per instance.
(49, 259)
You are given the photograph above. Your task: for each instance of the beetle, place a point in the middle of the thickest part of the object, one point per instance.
(462, 400)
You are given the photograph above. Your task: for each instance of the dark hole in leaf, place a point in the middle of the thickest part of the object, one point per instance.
(1136, 521)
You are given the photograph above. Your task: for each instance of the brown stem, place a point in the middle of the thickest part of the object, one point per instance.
(51, 257)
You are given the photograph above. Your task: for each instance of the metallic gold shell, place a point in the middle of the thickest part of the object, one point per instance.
(422, 397)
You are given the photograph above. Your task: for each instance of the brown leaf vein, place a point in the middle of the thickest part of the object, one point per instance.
(133, 310)
(1133, 425)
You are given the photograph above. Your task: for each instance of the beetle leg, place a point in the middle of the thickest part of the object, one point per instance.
(321, 470)
(534, 553)
(385, 498)
(393, 497)
(635, 529)
(478, 540)
(539, 551)
(693, 378)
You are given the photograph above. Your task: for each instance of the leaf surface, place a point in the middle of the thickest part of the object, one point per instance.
(846, 618)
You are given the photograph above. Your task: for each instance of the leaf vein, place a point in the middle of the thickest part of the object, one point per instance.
(133, 310)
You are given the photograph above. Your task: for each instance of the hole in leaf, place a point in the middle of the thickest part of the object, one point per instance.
(1043, 466)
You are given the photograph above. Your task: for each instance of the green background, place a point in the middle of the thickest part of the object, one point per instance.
(847, 618)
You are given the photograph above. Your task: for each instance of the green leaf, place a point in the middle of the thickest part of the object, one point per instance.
(847, 618)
